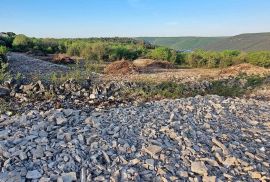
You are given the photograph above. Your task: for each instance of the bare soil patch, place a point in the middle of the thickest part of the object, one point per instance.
(150, 65)
(244, 68)
(121, 68)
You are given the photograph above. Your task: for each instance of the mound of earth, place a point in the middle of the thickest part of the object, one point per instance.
(244, 68)
(207, 138)
(150, 63)
(62, 59)
(121, 68)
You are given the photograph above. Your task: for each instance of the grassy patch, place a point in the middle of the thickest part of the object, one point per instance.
(170, 90)
(4, 106)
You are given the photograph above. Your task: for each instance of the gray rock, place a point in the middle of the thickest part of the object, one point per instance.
(69, 177)
(4, 91)
(199, 168)
(35, 174)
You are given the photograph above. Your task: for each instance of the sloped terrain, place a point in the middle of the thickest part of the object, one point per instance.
(182, 43)
(244, 42)
(31, 67)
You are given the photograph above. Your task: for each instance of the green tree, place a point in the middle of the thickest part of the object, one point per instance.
(161, 53)
(21, 43)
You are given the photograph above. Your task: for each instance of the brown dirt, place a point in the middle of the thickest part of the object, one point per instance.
(244, 68)
(121, 68)
(62, 59)
(194, 74)
(149, 63)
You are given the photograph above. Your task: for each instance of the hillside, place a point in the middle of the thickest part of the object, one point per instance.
(244, 42)
(182, 42)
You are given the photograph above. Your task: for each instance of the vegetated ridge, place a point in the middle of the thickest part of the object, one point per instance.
(244, 42)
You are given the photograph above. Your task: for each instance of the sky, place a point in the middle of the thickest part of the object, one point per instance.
(134, 18)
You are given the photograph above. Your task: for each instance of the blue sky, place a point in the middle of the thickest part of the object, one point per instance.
(131, 18)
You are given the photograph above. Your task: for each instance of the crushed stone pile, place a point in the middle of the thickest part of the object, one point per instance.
(207, 138)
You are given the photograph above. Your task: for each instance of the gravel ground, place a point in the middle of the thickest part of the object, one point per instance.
(193, 139)
(28, 66)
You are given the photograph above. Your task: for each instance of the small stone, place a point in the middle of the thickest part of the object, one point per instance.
(229, 161)
(69, 177)
(22, 155)
(61, 120)
(35, 174)
(153, 149)
(92, 96)
(220, 145)
(150, 162)
(4, 134)
(199, 168)
(81, 138)
(43, 179)
(183, 174)
(83, 175)
(255, 175)
(68, 112)
(209, 179)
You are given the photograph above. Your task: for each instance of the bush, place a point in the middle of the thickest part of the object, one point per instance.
(211, 59)
(3, 51)
(261, 58)
(21, 43)
(3, 72)
(121, 52)
(161, 53)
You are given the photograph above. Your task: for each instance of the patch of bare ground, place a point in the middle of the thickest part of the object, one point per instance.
(192, 74)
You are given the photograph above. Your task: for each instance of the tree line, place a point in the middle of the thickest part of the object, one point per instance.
(112, 49)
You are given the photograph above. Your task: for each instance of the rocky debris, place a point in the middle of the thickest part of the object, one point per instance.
(207, 138)
(35, 174)
(199, 168)
(30, 67)
(4, 91)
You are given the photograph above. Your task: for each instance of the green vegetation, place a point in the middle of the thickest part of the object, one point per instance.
(261, 58)
(170, 90)
(182, 43)
(3, 65)
(4, 106)
(243, 42)
(98, 50)
(210, 59)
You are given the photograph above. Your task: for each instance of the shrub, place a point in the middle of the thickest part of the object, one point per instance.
(21, 43)
(3, 51)
(161, 53)
(3, 72)
(122, 52)
(260, 58)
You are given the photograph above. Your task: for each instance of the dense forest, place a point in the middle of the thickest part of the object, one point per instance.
(112, 49)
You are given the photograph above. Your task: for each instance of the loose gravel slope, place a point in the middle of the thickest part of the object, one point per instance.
(28, 66)
(194, 139)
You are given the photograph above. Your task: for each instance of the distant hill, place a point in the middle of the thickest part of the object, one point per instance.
(178, 43)
(244, 42)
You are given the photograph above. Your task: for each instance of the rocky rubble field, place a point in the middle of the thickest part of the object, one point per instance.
(207, 138)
